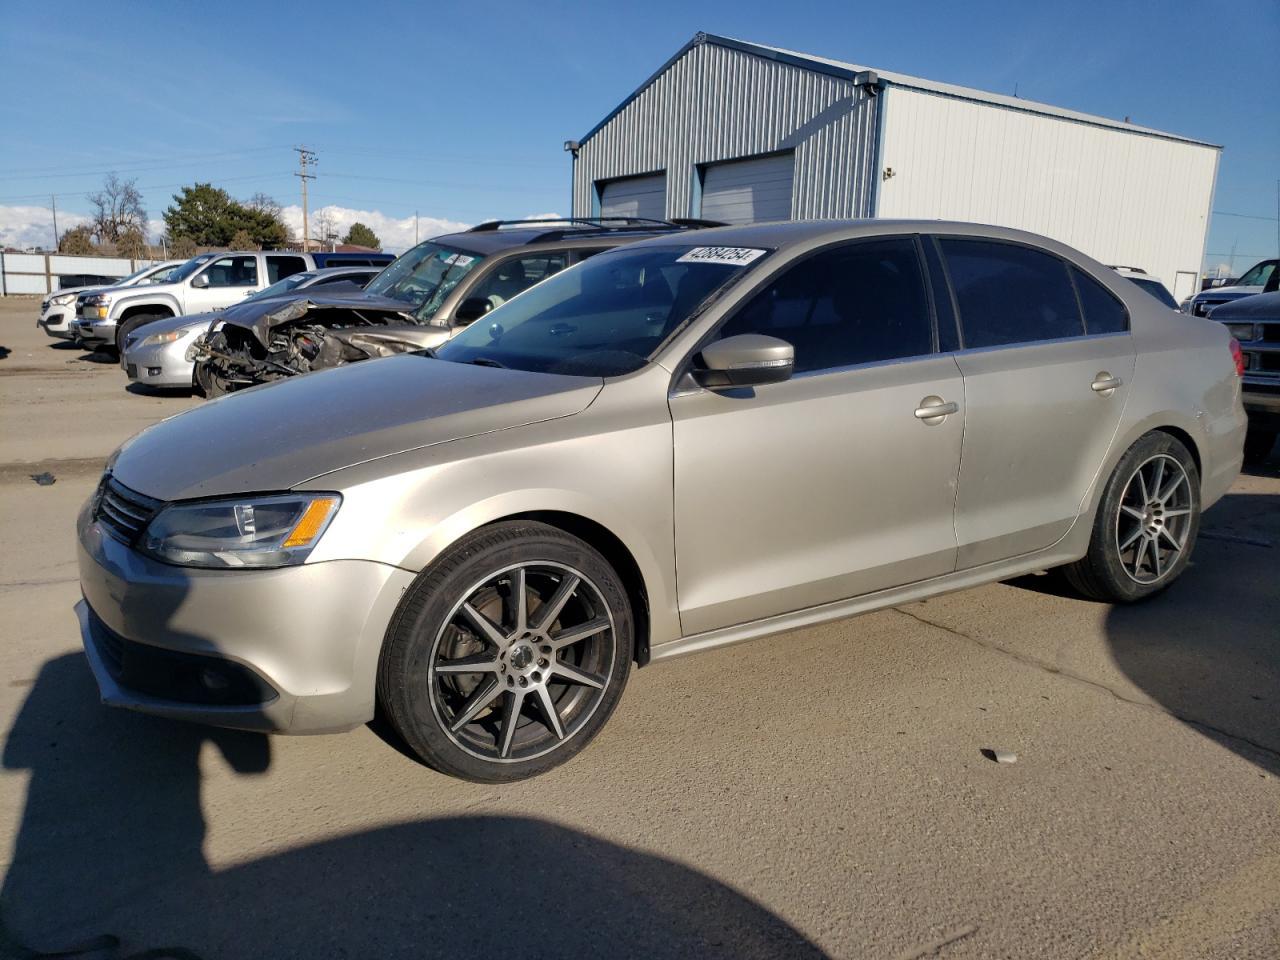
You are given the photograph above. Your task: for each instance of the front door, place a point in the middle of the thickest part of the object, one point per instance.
(828, 485)
(230, 279)
(1043, 393)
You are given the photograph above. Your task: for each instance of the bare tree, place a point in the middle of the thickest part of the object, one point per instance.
(132, 243)
(324, 226)
(117, 208)
(261, 202)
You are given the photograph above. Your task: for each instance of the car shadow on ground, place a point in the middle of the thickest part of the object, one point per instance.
(142, 390)
(111, 842)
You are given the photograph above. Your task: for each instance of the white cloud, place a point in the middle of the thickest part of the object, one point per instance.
(396, 234)
(24, 227)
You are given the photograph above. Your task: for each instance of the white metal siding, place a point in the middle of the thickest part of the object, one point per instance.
(715, 103)
(635, 197)
(746, 191)
(1121, 197)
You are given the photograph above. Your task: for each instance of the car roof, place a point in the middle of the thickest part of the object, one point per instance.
(321, 272)
(499, 236)
(792, 233)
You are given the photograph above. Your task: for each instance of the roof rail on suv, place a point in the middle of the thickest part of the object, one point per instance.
(588, 225)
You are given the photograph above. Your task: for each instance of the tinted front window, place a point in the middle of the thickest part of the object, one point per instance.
(517, 275)
(182, 271)
(233, 272)
(1010, 294)
(1103, 313)
(281, 287)
(604, 317)
(860, 303)
(1258, 274)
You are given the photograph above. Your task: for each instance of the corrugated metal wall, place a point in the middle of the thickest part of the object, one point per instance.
(720, 104)
(1123, 198)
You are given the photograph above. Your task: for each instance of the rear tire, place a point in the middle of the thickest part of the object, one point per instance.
(1258, 444)
(1146, 524)
(507, 655)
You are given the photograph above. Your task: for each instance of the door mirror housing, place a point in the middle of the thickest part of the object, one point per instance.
(747, 360)
(471, 310)
(200, 281)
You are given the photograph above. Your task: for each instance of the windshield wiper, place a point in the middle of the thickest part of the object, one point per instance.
(487, 362)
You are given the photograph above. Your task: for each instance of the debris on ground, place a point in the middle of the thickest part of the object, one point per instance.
(999, 756)
(45, 479)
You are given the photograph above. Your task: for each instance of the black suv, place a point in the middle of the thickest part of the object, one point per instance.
(421, 300)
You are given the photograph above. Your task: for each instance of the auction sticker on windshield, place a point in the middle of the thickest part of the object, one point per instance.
(458, 259)
(730, 256)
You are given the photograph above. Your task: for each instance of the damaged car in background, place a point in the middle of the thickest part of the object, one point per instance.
(418, 302)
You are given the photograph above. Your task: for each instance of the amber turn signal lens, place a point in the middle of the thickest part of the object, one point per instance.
(311, 522)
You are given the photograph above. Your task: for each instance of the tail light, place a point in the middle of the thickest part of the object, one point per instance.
(1237, 356)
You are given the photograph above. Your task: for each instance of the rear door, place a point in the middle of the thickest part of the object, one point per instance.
(828, 485)
(1043, 392)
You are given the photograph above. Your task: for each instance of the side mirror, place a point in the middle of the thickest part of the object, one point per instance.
(747, 360)
(471, 310)
(201, 281)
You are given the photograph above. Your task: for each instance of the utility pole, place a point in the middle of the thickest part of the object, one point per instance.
(305, 157)
(53, 200)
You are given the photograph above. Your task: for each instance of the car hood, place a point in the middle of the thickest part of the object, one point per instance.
(1261, 306)
(1227, 293)
(276, 436)
(263, 316)
(65, 290)
(188, 321)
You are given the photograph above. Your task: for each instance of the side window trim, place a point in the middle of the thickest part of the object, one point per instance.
(942, 282)
(686, 362)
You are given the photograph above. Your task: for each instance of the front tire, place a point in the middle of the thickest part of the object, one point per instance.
(1146, 524)
(508, 655)
(133, 323)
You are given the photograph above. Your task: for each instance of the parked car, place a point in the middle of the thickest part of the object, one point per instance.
(682, 443)
(58, 309)
(1254, 280)
(425, 297)
(1148, 283)
(209, 281)
(155, 355)
(1255, 323)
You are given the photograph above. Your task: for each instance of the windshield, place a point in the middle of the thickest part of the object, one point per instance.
(424, 276)
(188, 268)
(125, 281)
(604, 317)
(290, 282)
(1258, 274)
(1157, 290)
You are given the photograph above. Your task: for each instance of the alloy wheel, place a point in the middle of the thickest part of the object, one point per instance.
(522, 662)
(1154, 519)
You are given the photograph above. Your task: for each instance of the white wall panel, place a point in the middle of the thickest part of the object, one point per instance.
(1121, 197)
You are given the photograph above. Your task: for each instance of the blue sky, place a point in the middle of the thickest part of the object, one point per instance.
(459, 111)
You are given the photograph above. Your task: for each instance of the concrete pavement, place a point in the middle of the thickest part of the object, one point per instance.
(817, 793)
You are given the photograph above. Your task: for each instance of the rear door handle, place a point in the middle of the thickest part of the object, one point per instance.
(933, 410)
(1105, 384)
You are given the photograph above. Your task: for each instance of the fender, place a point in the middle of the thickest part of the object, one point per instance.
(664, 620)
(150, 298)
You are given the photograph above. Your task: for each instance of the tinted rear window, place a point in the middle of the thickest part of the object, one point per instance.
(1103, 313)
(1009, 293)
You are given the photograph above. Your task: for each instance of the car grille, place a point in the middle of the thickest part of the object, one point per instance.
(124, 513)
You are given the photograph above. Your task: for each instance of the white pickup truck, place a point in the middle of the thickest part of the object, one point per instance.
(210, 281)
(58, 309)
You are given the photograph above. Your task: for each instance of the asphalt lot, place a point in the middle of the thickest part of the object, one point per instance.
(820, 793)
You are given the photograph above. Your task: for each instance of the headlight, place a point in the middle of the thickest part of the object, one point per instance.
(1241, 331)
(97, 300)
(275, 531)
(169, 336)
(63, 300)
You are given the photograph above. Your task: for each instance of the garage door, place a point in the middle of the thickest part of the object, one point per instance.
(745, 190)
(635, 197)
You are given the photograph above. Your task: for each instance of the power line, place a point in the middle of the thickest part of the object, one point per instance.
(1245, 216)
(128, 167)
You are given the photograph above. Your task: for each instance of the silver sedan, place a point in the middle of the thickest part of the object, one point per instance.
(675, 445)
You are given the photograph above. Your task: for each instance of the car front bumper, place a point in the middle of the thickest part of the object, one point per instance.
(290, 650)
(160, 365)
(95, 331)
(58, 322)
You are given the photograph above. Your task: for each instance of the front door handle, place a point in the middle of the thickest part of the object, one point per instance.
(1105, 384)
(933, 410)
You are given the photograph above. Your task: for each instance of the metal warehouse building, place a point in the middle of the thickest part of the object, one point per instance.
(736, 131)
